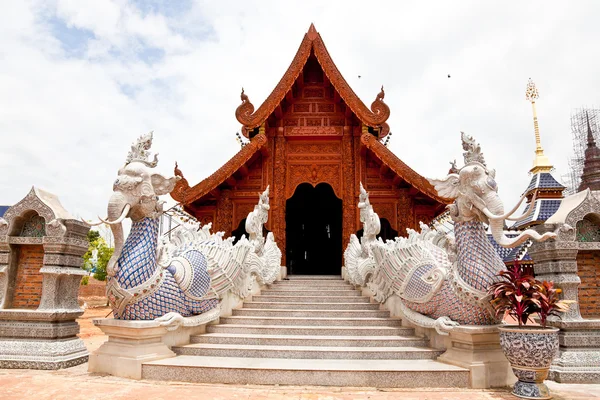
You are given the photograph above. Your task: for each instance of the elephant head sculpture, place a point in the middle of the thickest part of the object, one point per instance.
(136, 193)
(475, 194)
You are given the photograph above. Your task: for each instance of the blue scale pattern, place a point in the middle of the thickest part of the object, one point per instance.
(201, 278)
(137, 263)
(417, 288)
(478, 259)
(503, 252)
(547, 181)
(548, 209)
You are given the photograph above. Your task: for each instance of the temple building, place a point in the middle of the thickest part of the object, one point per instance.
(590, 178)
(313, 141)
(544, 194)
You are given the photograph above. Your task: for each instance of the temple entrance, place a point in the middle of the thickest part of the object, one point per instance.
(313, 220)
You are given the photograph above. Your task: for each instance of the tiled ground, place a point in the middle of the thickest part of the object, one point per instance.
(75, 384)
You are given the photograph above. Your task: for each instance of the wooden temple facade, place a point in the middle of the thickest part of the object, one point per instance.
(313, 141)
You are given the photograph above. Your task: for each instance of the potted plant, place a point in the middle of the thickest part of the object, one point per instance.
(530, 349)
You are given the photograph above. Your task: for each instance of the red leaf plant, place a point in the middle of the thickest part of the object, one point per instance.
(521, 295)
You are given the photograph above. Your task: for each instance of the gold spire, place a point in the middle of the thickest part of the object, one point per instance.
(541, 162)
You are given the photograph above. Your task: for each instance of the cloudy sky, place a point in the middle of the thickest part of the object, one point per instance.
(81, 80)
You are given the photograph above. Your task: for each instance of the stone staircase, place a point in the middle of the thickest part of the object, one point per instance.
(309, 330)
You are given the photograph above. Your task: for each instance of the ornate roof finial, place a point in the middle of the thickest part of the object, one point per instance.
(381, 94)
(139, 151)
(473, 150)
(541, 162)
(590, 134)
(453, 168)
(312, 32)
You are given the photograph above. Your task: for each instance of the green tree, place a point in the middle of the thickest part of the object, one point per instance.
(103, 254)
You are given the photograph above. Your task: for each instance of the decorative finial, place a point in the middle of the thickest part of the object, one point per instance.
(177, 171)
(472, 150)
(590, 134)
(312, 32)
(453, 168)
(381, 94)
(531, 93)
(139, 151)
(541, 162)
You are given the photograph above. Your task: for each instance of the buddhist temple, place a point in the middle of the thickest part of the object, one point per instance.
(313, 141)
(544, 193)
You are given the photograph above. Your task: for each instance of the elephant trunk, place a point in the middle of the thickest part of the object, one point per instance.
(116, 205)
(497, 228)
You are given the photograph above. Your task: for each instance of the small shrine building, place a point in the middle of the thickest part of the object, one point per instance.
(313, 141)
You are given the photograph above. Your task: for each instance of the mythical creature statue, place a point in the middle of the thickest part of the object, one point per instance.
(187, 274)
(442, 279)
(265, 260)
(360, 264)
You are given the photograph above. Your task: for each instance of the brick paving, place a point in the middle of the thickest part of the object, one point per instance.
(77, 384)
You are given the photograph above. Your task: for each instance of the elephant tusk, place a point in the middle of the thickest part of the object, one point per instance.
(91, 223)
(528, 213)
(493, 216)
(121, 218)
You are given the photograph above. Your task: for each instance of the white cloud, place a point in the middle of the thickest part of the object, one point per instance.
(79, 82)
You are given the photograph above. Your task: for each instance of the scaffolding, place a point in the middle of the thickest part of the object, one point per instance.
(579, 130)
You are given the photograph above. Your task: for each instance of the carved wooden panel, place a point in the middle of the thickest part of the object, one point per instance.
(312, 130)
(314, 147)
(241, 210)
(386, 210)
(313, 174)
(279, 197)
(405, 213)
(225, 214)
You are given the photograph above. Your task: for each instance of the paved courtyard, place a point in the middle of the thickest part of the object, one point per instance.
(75, 383)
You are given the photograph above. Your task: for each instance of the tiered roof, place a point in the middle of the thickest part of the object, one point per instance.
(254, 124)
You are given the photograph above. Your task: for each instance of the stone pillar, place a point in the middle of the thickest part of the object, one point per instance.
(578, 360)
(39, 330)
(478, 349)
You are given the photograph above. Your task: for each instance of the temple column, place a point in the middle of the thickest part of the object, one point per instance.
(224, 213)
(279, 172)
(349, 206)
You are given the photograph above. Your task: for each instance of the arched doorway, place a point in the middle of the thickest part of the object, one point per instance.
(313, 220)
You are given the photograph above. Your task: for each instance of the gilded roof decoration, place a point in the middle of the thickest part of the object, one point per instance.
(185, 194)
(374, 117)
(400, 168)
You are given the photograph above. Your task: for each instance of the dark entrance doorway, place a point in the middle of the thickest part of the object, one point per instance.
(313, 220)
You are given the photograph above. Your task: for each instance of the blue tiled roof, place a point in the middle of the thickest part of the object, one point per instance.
(3, 210)
(547, 209)
(508, 255)
(532, 183)
(503, 252)
(544, 209)
(529, 218)
(519, 252)
(543, 180)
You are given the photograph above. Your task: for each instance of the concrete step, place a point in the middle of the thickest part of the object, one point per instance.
(257, 312)
(243, 339)
(314, 277)
(310, 306)
(340, 293)
(309, 285)
(271, 371)
(310, 321)
(309, 330)
(310, 299)
(308, 352)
